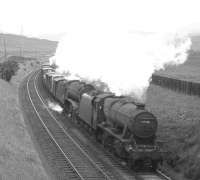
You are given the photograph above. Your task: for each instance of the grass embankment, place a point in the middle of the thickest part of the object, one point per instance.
(183, 72)
(179, 125)
(10, 67)
(189, 71)
(18, 158)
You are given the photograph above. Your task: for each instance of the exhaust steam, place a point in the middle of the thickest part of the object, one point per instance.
(55, 107)
(125, 67)
(102, 44)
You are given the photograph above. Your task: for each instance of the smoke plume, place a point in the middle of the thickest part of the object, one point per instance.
(55, 107)
(102, 44)
(126, 65)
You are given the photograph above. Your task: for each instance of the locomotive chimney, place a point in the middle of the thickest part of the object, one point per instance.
(140, 106)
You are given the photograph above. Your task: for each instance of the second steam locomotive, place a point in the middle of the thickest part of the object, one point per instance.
(123, 126)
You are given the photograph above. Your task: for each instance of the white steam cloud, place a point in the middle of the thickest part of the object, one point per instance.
(104, 45)
(55, 107)
(127, 65)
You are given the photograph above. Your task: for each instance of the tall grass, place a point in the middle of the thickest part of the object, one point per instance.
(179, 122)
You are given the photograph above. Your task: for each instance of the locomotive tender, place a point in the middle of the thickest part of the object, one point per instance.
(123, 126)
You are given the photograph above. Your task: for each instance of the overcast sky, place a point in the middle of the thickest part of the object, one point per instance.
(53, 18)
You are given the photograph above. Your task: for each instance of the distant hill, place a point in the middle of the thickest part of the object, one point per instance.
(26, 46)
(195, 42)
(190, 70)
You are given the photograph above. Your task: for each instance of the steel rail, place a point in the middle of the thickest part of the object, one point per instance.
(103, 174)
(67, 134)
(50, 134)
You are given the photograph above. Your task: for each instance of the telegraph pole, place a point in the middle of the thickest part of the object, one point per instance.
(22, 43)
(35, 53)
(1, 41)
(5, 50)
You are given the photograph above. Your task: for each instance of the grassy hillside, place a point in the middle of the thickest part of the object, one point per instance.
(195, 42)
(25, 46)
(190, 70)
(178, 118)
(18, 157)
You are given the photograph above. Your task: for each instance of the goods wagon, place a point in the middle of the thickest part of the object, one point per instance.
(56, 81)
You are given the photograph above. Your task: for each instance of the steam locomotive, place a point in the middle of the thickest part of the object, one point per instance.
(122, 125)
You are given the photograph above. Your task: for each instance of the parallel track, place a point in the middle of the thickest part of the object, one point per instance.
(76, 163)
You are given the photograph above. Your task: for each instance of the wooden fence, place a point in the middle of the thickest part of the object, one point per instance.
(186, 87)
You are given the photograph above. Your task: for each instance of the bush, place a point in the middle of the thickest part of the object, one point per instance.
(172, 160)
(192, 171)
(8, 69)
(54, 65)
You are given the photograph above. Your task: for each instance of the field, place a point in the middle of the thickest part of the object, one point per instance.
(190, 70)
(24, 46)
(18, 156)
(178, 116)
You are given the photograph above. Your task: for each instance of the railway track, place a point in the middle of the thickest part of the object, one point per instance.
(70, 156)
(93, 151)
(74, 162)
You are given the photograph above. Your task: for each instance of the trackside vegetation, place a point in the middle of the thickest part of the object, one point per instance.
(8, 69)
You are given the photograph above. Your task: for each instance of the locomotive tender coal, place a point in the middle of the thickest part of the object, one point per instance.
(123, 126)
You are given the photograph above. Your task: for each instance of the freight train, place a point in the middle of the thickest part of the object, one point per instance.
(122, 125)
